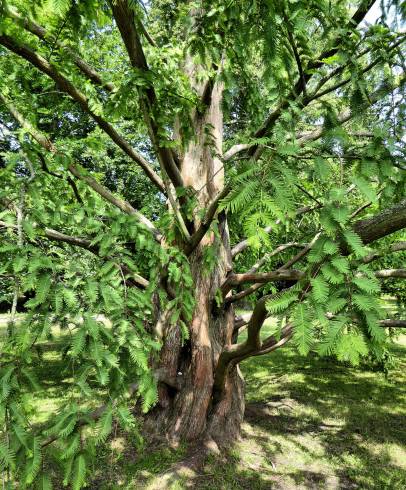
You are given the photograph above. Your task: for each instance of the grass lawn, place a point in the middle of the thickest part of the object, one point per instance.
(310, 424)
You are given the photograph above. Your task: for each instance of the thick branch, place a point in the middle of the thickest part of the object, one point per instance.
(126, 23)
(66, 86)
(382, 224)
(260, 277)
(234, 150)
(244, 293)
(234, 352)
(393, 323)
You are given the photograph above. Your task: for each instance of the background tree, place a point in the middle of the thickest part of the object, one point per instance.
(161, 163)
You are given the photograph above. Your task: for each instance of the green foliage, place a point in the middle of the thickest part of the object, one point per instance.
(298, 186)
(303, 326)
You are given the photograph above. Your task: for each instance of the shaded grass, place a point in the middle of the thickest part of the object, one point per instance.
(310, 423)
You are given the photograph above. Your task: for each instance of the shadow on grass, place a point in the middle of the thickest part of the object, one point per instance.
(310, 423)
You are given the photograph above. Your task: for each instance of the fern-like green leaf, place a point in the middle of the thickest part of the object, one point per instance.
(7, 456)
(367, 284)
(79, 472)
(355, 243)
(280, 302)
(351, 347)
(341, 264)
(303, 328)
(33, 462)
(104, 425)
(320, 289)
(44, 482)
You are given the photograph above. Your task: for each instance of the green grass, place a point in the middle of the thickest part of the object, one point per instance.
(310, 423)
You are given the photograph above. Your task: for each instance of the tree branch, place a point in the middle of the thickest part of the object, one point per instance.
(347, 114)
(66, 86)
(234, 150)
(242, 294)
(207, 220)
(395, 247)
(241, 246)
(310, 69)
(57, 236)
(39, 31)
(43, 140)
(387, 273)
(126, 23)
(234, 353)
(379, 59)
(393, 323)
(388, 221)
(277, 250)
(301, 254)
(259, 278)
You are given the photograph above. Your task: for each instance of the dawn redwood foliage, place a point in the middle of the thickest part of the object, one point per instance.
(163, 161)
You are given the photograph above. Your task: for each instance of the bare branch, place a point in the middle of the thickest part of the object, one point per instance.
(272, 343)
(66, 86)
(301, 254)
(242, 294)
(235, 353)
(393, 323)
(234, 150)
(395, 247)
(277, 250)
(259, 277)
(387, 273)
(288, 265)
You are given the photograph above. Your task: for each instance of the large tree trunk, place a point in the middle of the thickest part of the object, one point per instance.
(196, 408)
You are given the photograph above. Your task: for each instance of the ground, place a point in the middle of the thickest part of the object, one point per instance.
(310, 423)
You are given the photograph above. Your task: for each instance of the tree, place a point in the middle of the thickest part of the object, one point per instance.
(265, 135)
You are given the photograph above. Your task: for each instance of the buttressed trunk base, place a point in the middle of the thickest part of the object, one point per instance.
(196, 408)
